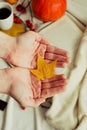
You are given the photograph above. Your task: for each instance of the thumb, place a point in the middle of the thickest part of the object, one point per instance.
(35, 102)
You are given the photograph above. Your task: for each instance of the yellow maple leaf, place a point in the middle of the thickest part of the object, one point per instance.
(44, 70)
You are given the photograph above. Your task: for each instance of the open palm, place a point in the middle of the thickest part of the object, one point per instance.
(28, 91)
(26, 47)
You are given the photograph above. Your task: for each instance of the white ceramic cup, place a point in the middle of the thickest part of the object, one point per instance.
(6, 23)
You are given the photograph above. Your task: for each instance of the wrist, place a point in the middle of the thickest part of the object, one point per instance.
(5, 81)
(6, 45)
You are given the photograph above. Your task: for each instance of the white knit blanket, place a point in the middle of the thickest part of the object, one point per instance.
(69, 109)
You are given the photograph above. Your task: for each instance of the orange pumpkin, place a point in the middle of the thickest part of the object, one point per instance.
(12, 1)
(48, 10)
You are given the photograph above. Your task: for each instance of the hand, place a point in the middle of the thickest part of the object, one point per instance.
(26, 47)
(28, 91)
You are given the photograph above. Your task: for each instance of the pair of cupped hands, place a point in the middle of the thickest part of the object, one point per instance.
(23, 86)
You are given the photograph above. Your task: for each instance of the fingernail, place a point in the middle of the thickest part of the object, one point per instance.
(23, 108)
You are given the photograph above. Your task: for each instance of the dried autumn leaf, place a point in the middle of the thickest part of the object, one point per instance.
(44, 70)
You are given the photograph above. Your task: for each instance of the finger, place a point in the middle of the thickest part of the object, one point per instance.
(56, 50)
(39, 101)
(58, 64)
(44, 40)
(56, 77)
(53, 56)
(46, 93)
(36, 102)
(53, 84)
(61, 64)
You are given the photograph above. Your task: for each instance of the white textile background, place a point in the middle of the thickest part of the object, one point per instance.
(68, 110)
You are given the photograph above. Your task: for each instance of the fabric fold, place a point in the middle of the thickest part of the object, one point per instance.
(63, 113)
